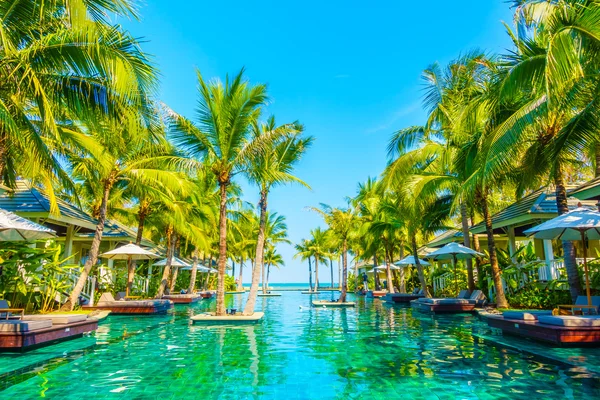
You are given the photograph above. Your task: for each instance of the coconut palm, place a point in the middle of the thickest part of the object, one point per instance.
(267, 170)
(272, 259)
(128, 159)
(342, 222)
(304, 252)
(224, 135)
(550, 81)
(57, 71)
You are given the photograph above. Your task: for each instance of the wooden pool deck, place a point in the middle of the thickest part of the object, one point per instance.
(23, 341)
(558, 335)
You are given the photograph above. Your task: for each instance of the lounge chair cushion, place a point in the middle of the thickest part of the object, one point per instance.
(570, 320)
(525, 315)
(57, 319)
(463, 294)
(445, 301)
(133, 303)
(180, 296)
(24, 326)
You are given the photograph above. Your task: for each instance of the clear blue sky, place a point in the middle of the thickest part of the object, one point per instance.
(348, 70)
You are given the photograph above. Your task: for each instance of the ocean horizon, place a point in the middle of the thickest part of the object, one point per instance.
(291, 285)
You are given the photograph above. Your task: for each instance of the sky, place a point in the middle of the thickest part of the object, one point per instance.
(348, 70)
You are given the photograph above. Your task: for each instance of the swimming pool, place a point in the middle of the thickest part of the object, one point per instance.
(297, 352)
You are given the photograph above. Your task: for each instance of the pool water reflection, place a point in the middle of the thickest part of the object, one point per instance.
(375, 350)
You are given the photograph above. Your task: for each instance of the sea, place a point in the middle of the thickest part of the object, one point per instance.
(292, 285)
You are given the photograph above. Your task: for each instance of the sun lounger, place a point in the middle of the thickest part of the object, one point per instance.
(41, 330)
(525, 315)
(24, 326)
(404, 297)
(570, 330)
(570, 320)
(462, 303)
(57, 319)
(9, 313)
(150, 306)
(182, 298)
(581, 306)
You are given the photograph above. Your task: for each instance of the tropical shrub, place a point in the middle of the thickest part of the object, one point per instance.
(538, 296)
(33, 278)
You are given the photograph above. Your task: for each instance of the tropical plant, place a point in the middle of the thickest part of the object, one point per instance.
(267, 170)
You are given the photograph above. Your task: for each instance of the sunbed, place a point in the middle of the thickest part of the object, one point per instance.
(581, 306)
(459, 304)
(150, 306)
(10, 313)
(394, 298)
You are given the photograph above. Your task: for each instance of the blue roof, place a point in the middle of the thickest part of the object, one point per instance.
(28, 201)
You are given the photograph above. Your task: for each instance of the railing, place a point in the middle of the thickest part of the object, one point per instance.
(140, 284)
(442, 281)
(89, 288)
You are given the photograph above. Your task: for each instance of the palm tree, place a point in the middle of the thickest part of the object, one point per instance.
(223, 135)
(272, 259)
(318, 250)
(57, 71)
(550, 90)
(127, 160)
(268, 170)
(303, 250)
(342, 222)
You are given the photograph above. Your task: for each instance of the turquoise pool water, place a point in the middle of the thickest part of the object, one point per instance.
(375, 350)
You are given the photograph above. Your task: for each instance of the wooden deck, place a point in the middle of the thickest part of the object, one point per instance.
(376, 293)
(560, 335)
(401, 298)
(23, 341)
(442, 308)
(207, 295)
(124, 309)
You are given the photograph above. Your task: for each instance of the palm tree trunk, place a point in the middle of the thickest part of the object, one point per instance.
(310, 275)
(501, 301)
(142, 214)
(174, 279)
(260, 253)
(264, 278)
(316, 274)
(569, 250)
(376, 275)
(167, 271)
(193, 273)
(419, 267)
(477, 248)
(331, 266)
(467, 242)
(268, 272)
(340, 272)
(240, 285)
(388, 270)
(344, 272)
(93, 256)
(597, 154)
(402, 271)
(222, 249)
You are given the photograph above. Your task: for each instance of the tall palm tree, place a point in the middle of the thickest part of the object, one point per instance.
(549, 82)
(272, 259)
(223, 134)
(342, 222)
(303, 250)
(268, 170)
(127, 160)
(57, 71)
